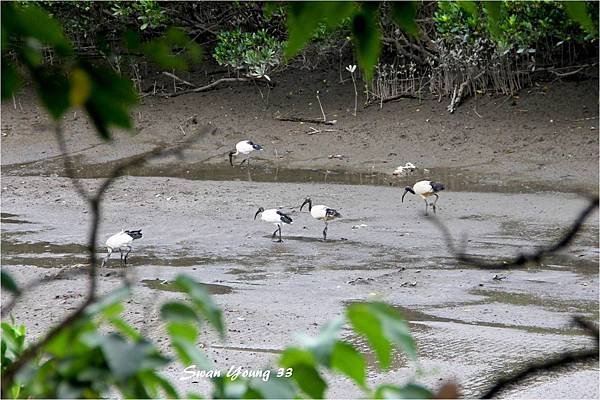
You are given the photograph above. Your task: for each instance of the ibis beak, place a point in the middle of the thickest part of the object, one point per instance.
(406, 190)
(307, 201)
(231, 158)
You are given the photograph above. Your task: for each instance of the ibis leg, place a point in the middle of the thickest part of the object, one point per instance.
(126, 254)
(435, 201)
(121, 252)
(243, 161)
(426, 204)
(105, 259)
(274, 233)
(280, 234)
(325, 232)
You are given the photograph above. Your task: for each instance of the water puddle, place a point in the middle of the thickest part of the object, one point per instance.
(248, 349)
(525, 299)
(8, 218)
(413, 315)
(169, 286)
(455, 179)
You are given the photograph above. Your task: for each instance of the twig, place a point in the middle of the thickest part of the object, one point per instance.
(309, 120)
(322, 112)
(551, 364)
(178, 78)
(213, 85)
(94, 203)
(64, 272)
(522, 258)
(457, 96)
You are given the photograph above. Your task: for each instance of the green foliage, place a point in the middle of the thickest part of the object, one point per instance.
(83, 361)
(148, 12)
(254, 53)
(8, 283)
(173, 50)
(70, 81)
(383, 327)
(404, 14)
(520, 23)
(12, 345)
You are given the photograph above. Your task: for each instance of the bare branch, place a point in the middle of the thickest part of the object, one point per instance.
(309, 120)
(562, 360)
(521, 259)
(63, 273)
(68, 162)
(215, 84)
(94, 204)
(178, 78)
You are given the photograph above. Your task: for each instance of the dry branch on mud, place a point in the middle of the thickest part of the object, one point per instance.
(523, 258)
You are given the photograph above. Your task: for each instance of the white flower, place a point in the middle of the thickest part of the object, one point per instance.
(351, 68)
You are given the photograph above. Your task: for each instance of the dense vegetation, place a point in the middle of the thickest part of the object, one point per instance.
(442, 49)
(77, 358)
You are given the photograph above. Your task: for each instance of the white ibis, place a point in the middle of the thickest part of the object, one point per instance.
(425, 189)
(244, 147)
(121, 241)
(274, 216)
(408, 167)
(322, 213)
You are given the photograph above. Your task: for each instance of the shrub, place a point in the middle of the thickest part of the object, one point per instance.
(254, 54)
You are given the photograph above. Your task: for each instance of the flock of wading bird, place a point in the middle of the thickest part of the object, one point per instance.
(122, 240)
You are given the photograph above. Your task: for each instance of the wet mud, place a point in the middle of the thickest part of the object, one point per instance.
(470, 324)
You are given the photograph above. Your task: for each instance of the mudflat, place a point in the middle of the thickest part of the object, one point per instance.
(513, 169)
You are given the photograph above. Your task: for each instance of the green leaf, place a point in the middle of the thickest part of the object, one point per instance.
(110, 99)
(202, 301)
(53, 89)
(7, 281)
(365, 323)
(177, 311)
(303, 19)
(32, 21)
(125, 328)
(182, 330)
(10, 79)
(225, 388)
(494, 12)
(350, 362)
(305, 373)
(404, 14)
(151, 378)
(108, 300)
(469, 6)
(273, 388)
(322, 346)
(367, 38)
(189, 354)
(577, 10)
(382, 326)
(124, 359)
(409, 391)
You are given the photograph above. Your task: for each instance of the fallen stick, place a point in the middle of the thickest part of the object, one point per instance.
(178, 78)
(212, 86)
(309, 120)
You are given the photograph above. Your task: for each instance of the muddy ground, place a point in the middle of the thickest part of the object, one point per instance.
(513, 169)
